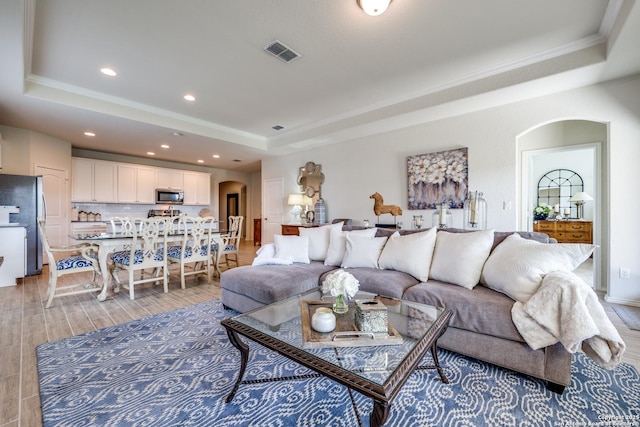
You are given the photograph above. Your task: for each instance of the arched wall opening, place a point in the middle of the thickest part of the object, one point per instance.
(575, 144)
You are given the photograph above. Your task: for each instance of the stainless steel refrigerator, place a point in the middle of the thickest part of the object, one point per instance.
(25, 192)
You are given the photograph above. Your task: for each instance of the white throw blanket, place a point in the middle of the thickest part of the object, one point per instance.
(271, 261)
(567, 310)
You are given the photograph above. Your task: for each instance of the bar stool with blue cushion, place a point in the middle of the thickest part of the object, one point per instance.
(148, 250)
(78, 259)
(195, 250)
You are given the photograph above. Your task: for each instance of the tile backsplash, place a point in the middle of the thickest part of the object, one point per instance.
(110, 210)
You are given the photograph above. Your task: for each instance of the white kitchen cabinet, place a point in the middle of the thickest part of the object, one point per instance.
(170, 179)
(13, 255)
(197, 188)
(127, 184)
(93, 181)
(136, 184)
(99, 181)
(81, 180)
(146, 185)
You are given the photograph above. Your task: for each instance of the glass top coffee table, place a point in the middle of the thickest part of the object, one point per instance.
(367, 363)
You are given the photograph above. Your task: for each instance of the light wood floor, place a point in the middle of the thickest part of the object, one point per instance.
(25, 323)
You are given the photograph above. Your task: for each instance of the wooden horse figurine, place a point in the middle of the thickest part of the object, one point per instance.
(380, 208)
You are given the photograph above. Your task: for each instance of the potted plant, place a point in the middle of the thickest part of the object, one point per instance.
(541, 211)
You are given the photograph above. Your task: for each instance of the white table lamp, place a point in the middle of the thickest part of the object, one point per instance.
(580, 199)
(296, 200)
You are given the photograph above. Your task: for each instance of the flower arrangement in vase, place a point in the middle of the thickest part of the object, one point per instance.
(343, 286)
(541, 211)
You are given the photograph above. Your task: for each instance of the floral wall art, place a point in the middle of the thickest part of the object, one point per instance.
(440, 177)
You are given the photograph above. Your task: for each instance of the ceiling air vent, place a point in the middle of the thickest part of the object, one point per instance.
(281, 51)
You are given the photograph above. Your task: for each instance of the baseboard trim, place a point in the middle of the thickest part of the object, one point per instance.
(633, 303)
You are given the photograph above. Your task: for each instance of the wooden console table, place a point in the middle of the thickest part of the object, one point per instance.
(293, 230)
(569, 231)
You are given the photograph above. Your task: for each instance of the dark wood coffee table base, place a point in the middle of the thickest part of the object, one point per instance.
(382, 395)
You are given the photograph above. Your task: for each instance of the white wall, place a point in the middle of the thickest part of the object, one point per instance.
(356, 169)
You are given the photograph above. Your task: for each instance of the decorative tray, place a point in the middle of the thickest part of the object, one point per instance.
(346, 334)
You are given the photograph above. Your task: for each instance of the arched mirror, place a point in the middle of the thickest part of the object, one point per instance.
(556, 188)
(311, 178)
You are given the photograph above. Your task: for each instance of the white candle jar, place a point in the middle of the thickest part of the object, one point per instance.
(323, 320)
(475, 212)
(442, 217)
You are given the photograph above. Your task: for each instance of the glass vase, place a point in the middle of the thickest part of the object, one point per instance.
(475, 212)
(341, 305)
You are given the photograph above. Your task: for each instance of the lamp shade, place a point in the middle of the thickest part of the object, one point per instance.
(374, 7)
(580, 197)
(295, 199)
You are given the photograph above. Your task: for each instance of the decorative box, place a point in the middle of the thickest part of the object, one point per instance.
(371, 316)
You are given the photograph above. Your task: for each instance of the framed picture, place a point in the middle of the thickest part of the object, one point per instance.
(437, 178)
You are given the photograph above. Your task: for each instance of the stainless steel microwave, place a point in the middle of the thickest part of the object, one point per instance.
(165, 196)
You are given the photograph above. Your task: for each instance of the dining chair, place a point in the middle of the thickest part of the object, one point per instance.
(65, 260)
(148, 251)
(123, 225)
(194, 252)
(229, 243)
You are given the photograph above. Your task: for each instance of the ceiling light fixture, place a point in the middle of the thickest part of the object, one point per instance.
(108, 72)
(216, 156)
(164, 146)
(189, 97)
(200, 161)
(151, 153)
(89, 133)
(374, 7)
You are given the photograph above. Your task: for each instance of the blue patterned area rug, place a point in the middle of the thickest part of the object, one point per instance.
(176, 368)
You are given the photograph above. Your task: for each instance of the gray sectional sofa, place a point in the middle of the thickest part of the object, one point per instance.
(481, 326)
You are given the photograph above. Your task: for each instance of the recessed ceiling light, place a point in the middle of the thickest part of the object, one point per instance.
(176, 134)
(108, 72)
(90, 133)
(189, 97)
(164, 146)
(216, 156)
(151, 153)
(200, 161)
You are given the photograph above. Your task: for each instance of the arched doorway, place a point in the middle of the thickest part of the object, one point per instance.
(232, 201)
(577, 144)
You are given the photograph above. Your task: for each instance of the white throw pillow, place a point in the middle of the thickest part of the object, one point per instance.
(267, 250)
(517, 266)
(266, 255)
(319, 238)
(338, 244)
(458, 257)
(410, 253)
(295, 248)
(362, 251)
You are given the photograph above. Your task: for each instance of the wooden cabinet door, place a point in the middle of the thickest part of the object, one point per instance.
(81, 180)
(145, 185)
(127, 184)
(105, 182)
(203, 194)
(171, 179)
(190, 189)
(196, 188)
